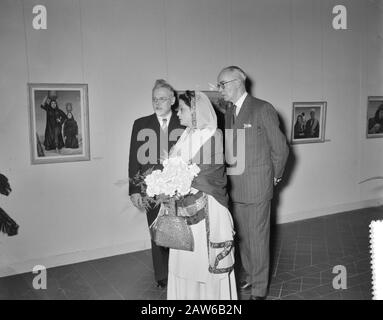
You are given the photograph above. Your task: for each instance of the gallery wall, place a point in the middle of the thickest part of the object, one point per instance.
(75, 211)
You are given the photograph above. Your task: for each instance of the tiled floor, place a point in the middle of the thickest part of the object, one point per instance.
(303, 256)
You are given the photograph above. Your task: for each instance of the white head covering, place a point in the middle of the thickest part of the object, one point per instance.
(220, 236)
(203, 114)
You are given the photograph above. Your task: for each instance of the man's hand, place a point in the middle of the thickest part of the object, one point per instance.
(136, 199)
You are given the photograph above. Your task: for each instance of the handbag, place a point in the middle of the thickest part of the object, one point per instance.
(170, 230)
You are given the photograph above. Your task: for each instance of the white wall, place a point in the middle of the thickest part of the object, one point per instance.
(74, 211)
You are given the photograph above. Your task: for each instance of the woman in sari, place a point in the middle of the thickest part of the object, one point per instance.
(206, 273)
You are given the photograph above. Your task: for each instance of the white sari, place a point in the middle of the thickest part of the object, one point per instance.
(191, 273)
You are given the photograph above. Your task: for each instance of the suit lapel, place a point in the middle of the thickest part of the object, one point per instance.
(244, 112)
(172, 122)
(154, 123)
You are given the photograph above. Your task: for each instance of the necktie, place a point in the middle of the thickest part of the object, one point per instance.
(234, 113)
(164, 144)
(164, 124)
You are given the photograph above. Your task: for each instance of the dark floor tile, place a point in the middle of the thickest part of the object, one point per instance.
(60, 272)
(302, 262)
(292, 285)
(354, 293)
(317, 261)
(283, 276)
(366, 290)
(294, 296)
(285, 293)
(310, 294)
(325, 289)
(323, 265)
(13, 287)
(102, 288)
(327, 275)
(150, 295)
(76, 288)
(363, 265)
(307, 271)
(30, 294)
(275, 293)
(359, 279)
(332, 296)
(283, 267)
(309, 283)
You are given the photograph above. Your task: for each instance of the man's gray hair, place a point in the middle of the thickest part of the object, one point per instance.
(237, 70)
(161, 83)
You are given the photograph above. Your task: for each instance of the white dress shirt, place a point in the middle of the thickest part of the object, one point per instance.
(239, 102)
(167, 118)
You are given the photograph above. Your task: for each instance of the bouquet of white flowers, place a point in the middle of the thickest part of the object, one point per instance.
(165, 187)
(173, 181)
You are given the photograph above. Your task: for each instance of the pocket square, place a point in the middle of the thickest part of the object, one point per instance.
(246, 125)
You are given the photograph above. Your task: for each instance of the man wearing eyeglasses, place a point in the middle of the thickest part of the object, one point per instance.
(251, 191)
(160, 131)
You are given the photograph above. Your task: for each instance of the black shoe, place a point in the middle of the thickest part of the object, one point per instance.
(162, 284)
(244, 285)
(257, 298)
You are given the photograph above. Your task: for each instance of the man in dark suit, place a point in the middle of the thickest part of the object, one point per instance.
(312, 126)
(263, 157)
(151, 140)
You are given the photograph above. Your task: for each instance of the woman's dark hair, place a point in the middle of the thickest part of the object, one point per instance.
(187, 97)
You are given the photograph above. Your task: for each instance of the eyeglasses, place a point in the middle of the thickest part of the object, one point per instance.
(159, 100)
(221, 85)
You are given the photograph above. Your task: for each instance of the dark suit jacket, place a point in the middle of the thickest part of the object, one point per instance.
(266, 151)
(310, 132)
(148, 129)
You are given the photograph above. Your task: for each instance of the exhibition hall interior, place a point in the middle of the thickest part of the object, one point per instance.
(75, 75)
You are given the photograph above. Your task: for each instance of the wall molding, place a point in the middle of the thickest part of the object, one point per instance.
(99, 253)
(303, 215)
(74, 257)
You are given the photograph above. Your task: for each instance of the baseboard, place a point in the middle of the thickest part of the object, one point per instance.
(73, 257)
(86, 255)
(296, 216)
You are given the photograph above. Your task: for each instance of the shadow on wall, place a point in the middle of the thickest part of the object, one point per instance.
(7, 225)
(289, 169)
(290, 164)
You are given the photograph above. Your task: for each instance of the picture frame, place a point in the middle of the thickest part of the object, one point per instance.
(308, 122)
(374, 123)
(58, 122)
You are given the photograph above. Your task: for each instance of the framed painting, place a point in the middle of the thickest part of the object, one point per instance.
(374, 117)
(308, 122)
(59, 122)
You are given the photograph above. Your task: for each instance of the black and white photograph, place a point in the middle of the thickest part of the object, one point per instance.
(200, 150)
(309, 121)
(375, 117)
(59, 122)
